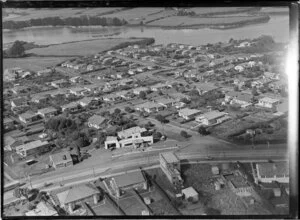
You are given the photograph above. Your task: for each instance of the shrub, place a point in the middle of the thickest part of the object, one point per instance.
(184, 134)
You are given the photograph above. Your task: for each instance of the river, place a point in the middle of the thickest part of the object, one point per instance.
(277, 27)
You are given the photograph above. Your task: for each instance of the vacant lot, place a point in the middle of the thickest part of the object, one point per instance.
(80, 48)
(194, 21)
(33, 63)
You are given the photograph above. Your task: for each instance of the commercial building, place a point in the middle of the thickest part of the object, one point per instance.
(170, 165)
(60, 160)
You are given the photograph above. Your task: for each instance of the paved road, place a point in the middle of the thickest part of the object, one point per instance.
(147, 159)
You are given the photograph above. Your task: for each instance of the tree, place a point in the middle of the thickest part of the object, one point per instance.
(142, 95)
(117, 111)
(184, 134)
(202, 130)
(16, 50)
(157, 135)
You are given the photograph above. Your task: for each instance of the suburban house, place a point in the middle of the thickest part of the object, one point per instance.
(33, 148)
(39, 98)
(242, 99)
(18, 102)
(58, 92)
(118, 185)
(124, 94)
(159, 86)
(93, 88)
(166, 103)
(42, 209)
(231, 95)
(72, 107)
(149, 107)
(47, 112)
(269, 172)
(276, 86)
(137, 91)
(261, 82)
(96, 121)
(78, 91)
(61, 159)
(29, 117)
(75, 79)
(213, 117)
(8, 124)
(170, 165)
(76, 195)
(44, 72)
(239, 68)
(188, 114)
(110, 97)
(20, 89)
(273, 76)
(267, 102)
(190, 194)
(59, 83)
(86, 101)
(205, 88)
(124, 82)
(178, 96)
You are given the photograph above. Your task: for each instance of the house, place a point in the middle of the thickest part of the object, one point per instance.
(131, 132)
(177, 96)
(277, 86)
(47, 112)
(273, 76)
(283, 107)
(213, 117)
(190, 194)
(61, 159)
(261, 82)
(44, 72)
(93, 88)
(242, 99)
(270, 172)
(267, 102)
(78, 91)
(72, 107)
(230, 95)
(149, 107)
(96, 121)
(165, 102)
(86, 101)
(42, 209)
(59, 83)
(33, 148)
(239, 68)
(75, 79)
(188, 114)
(77, 195)
(125, 82)
(110, 97)
(131, 180)
(39, 98)
(18, 102)
(205, 88)
(137, 91)
(8, 143)
(58, 92)
(170, 165)
(8, 124)
(159, 86)
(90, 67)
(29, 117)
(20, 89)
(124, 94)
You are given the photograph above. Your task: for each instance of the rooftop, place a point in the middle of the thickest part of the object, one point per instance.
(189, 192)
(76, 193)
(47, 110)
(170, 157)
(269, 100)
(129, 179)
(58, 157)
(70, 105)
(27, 115)
(96, 119)
(213, 115)
(188, 111)
(272, 169)
(131, 131)
(32, 145)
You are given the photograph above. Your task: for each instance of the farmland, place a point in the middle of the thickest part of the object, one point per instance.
(80, 48)
(33, 63)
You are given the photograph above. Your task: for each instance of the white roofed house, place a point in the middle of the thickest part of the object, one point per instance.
(44, 72)
(242, 99)
(188, 114)
(124, 94)
(87, 101)
(205, 88)
(149, 107)
(29, 117)
(48, 112)
(59, 83)
(96, 121)
(239, 68)
(124, 82)
(37, 98)
(18, 102)
(165, 102)
(110, 97)
(267, 102)
(159, 86)
(137, 90)
(93, 88)
(78, 91)
(32, 148)
(212, 118)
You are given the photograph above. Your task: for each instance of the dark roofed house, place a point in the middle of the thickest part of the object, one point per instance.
(60, 160)
(133, 180)
(243, 99)
(8, 124)
(74, 196)
(269, 172)
(96, 121)
(283, 107)
(18, 102)
(28, 117)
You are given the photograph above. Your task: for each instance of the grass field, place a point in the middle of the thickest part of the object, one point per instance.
(193, 21)
(80, 48)
(33, 63)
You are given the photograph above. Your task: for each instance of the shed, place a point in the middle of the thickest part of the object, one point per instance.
(190, 192)
(215, 170)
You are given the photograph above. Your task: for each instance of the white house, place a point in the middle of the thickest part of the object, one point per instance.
(96, 121)
(269, 172)
(213, 117)
(188, 114)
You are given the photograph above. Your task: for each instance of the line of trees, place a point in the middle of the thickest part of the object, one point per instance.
(71, 21)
